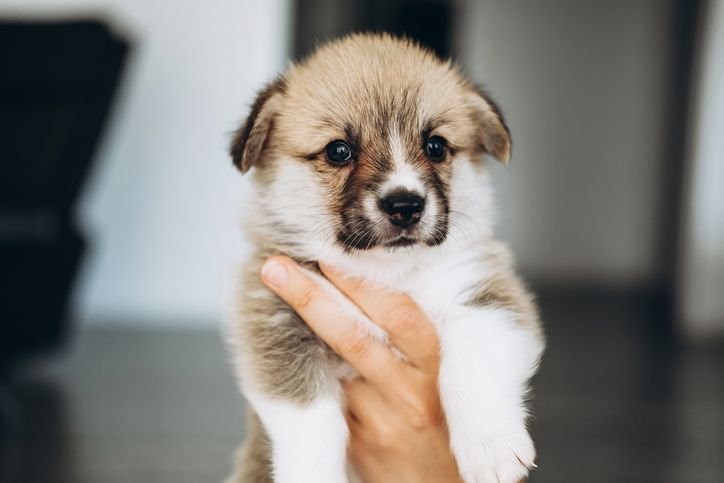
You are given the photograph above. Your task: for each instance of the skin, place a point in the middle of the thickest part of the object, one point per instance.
(396, 421)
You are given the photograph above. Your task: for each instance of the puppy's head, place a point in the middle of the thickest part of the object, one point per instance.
(363, 142)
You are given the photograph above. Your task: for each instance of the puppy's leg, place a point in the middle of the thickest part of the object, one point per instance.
(308, 441)
(288, 376)
(488, 356)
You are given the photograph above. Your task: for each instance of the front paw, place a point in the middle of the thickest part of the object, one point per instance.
(501, 458)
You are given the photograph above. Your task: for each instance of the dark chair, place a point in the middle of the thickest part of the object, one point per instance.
(57, 80)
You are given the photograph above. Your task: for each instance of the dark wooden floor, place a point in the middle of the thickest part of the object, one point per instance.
(613, 404)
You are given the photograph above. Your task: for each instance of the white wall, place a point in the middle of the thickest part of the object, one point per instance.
(161, 207)
(583, 87)
(702, 307)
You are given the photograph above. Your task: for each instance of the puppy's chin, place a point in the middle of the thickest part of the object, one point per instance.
(389, 239)
(401, 242)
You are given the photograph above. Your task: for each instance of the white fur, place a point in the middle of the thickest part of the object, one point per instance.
(486, 362)
(309, 443)
(487, 358)
(403, 175)
(294, 200)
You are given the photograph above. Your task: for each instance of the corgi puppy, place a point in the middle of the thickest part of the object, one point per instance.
(369, 156)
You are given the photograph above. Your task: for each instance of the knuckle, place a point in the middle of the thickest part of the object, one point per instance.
(403, 318)
(423, 413)
(354, 448)
(356, 345)
(420, 419)
(386, 436)
(305, 299)
(355, 284)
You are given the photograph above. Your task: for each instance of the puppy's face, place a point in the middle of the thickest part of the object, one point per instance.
(364, 140)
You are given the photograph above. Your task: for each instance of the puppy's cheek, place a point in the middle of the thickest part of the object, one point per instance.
(294, 197)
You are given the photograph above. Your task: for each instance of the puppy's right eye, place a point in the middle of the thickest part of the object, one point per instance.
(338, 153)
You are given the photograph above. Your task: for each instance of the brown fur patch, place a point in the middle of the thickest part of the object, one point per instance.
(248, 142)
(503, 289)
(494, 135)
(284, 358)
(279, 356)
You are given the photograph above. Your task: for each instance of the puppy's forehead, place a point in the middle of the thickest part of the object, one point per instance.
(369, 86)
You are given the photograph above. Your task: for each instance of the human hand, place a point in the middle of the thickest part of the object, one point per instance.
(397, 426)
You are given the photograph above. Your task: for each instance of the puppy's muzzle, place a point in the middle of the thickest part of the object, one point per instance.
(403, 208)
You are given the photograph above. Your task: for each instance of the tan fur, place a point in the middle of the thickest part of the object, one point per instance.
(307, 111)
(281, 355)
(397, 75)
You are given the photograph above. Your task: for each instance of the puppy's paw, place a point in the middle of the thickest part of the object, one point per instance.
(506, 458)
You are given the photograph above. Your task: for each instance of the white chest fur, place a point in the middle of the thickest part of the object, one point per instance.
(437, 279)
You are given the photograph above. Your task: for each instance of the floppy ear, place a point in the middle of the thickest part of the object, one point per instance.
(248, 142)
(494, 134)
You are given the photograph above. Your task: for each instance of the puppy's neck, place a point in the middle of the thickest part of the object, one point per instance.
(398, 269)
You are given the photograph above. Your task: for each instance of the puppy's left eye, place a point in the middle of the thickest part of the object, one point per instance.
(436, 148)
(338, 153)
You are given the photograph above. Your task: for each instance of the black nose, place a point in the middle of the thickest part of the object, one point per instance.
(403, 208)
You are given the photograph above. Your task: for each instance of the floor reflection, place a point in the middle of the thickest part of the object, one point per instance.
(124, 406)
(613, 403)
(37, 445)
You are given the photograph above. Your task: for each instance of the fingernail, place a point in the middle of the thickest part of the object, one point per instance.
(275, 273)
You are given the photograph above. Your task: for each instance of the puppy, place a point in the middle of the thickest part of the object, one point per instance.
(368, 155)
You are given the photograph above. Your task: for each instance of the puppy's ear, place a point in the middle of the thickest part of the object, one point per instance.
(494, 134)
(248, 142)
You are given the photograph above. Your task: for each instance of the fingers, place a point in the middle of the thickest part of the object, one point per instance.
(370, 358)
(408, 327)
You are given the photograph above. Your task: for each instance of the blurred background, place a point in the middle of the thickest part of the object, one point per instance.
(119, 214)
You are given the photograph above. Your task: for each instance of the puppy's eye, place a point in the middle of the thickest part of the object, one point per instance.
(436, 148)
(338, 153)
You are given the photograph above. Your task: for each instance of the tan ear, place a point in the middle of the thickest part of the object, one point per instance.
(494, 134)
(248, 142)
